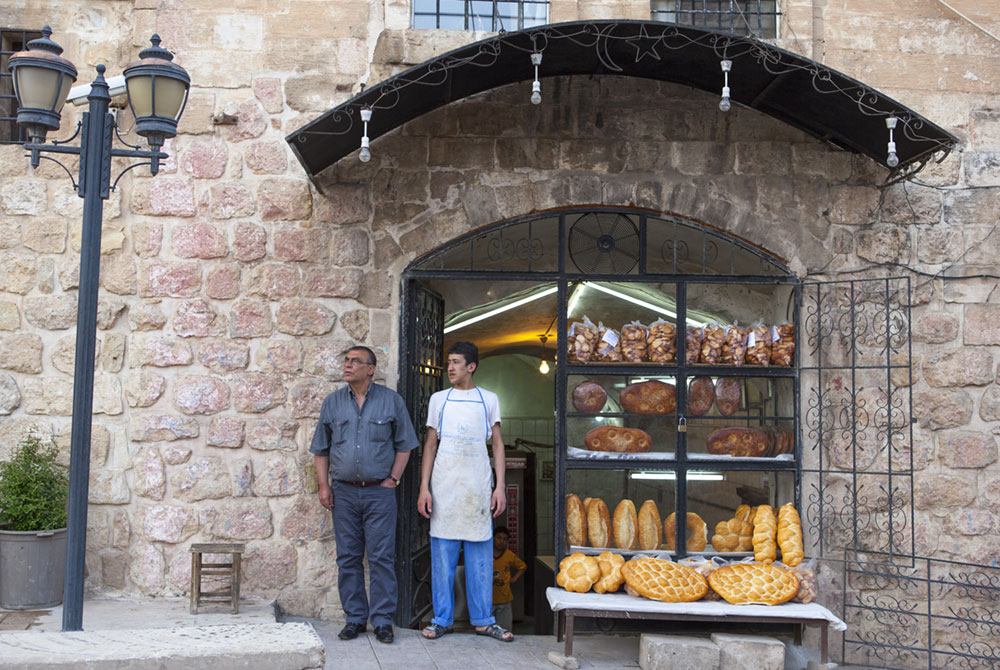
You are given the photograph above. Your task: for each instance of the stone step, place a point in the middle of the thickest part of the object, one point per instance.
(721, 652)
(268, 646)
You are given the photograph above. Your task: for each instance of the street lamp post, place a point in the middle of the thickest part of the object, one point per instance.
(157, 92)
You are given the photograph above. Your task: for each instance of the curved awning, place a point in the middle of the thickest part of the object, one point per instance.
(803, 93)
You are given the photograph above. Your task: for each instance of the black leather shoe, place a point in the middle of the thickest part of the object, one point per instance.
(384, 634)
(351, 631)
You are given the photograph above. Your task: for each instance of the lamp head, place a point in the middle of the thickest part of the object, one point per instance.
(42, 79)
(157, 92)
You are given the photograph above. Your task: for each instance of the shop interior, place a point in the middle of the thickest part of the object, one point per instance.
(514, 325)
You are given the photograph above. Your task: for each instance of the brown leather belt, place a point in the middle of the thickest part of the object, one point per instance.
(362, 484)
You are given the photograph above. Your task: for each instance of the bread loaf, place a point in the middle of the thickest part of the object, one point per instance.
(701, 396)
(790, 535)
(733, 535)
(598, 523)
(578, 572)
(651, 397)
(618, 439)
(611, 572)
(742, 442)
(765, 533)
(698, 537)
(728, 395)
(576, 521)
(589, 397)
(663, 580)
(650, 537)
(754, 583)
(626, 526)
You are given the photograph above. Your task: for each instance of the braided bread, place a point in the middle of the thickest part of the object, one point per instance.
(611, 572)
(790, 535)
(733, 535)
(663, 580)
(765, 530)
(754, 583)
(578, 572)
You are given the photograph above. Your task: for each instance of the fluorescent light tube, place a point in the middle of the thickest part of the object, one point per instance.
(501, 310)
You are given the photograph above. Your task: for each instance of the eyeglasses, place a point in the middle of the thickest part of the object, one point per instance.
(355, 361)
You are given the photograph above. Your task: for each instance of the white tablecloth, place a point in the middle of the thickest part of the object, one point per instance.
(560, 599)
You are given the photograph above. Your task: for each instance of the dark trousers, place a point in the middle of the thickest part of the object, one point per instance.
(364, 522)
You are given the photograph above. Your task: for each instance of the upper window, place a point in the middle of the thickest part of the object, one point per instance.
(736, 17)
(480, 14)
(11, 41)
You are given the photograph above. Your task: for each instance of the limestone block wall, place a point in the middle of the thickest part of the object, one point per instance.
(231, 284)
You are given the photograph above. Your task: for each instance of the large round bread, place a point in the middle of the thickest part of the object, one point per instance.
(701, 396)
(618, 439)
(576, 521)
(754, 584)
(598, 523)
(626, 526)
(589, 397)
(658, 579)
(698, 537)
(650, 397)
(733, 535)
(578, 572)
(611, 572)
(728, 395)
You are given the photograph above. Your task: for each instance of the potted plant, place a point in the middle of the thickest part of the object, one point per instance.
(33, 494)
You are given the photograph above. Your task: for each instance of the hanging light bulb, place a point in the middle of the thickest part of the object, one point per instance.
(724, 104)
(892, 160)
(536, 86)
(365, 155)
(544, 367)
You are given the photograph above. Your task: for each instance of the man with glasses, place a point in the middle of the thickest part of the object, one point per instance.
(361, 445)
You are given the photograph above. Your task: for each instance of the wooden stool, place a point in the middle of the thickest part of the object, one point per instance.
(198, 569)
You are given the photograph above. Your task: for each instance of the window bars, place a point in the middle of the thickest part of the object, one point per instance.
(484, 15)
(11, 41)
(736, 17)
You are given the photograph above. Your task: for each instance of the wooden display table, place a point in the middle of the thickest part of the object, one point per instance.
(569, 605)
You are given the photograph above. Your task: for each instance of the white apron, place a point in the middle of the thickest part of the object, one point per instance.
(462, 481)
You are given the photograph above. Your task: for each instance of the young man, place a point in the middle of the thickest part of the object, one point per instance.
(362, 442)
(507, 569)
(455, 493)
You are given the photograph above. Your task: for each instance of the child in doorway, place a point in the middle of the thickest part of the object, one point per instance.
(507, 569)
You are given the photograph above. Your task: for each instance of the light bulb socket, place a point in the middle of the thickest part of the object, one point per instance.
(536, 59)
(725, 91)
(726, 65)
(366, 114)
(890, 122)
(536, 86)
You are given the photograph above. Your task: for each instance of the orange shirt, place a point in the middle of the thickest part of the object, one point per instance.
(503, 569)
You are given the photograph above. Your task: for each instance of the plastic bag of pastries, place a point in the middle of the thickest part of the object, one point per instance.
(783, 345)
(808, 585)
(704, 566)
(692, 344)
(711, 344)
(734, 347)
(661, 343)
(634, 342)
(581, 340)
(758, 345)
(609, 349)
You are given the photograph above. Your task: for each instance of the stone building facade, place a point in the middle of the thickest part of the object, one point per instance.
(231, 282)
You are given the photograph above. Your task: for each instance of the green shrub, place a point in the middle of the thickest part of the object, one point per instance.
(33, 488)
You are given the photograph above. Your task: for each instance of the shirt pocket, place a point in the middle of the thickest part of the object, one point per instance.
(340, 431)
(380, 429)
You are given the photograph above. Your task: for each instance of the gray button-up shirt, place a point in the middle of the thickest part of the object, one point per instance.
(362, 442)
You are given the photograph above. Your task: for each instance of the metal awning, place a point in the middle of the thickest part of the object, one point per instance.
(803, 93)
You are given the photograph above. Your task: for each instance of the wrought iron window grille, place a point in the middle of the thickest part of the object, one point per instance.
(482, 15)
(735, 17)
(11, 41)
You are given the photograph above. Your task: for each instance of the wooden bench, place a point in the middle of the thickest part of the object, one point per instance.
(569, 605)
(231, 569)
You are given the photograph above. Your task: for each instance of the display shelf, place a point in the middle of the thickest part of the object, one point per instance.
(694, 370)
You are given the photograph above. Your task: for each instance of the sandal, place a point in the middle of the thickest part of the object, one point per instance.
(436, 631)
(497, 632)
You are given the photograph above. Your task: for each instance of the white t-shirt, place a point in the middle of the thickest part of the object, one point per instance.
(462, 481)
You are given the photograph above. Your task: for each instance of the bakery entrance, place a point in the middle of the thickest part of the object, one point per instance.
(626, 282)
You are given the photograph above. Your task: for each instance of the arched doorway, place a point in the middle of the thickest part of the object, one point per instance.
(513, 288)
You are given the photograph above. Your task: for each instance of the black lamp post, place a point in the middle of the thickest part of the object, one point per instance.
(157, 92)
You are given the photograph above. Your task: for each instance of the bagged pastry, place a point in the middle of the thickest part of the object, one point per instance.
(734, 347)
(692, 344)
(609, 348)
(783, 345)
(808, 586)
(711, 344)
(758, 345)
(634, 342)
(661, 343)
(581, 341)
(704, 566)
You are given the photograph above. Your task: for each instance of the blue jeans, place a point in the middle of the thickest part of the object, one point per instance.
(364, 521)
(478, 580)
